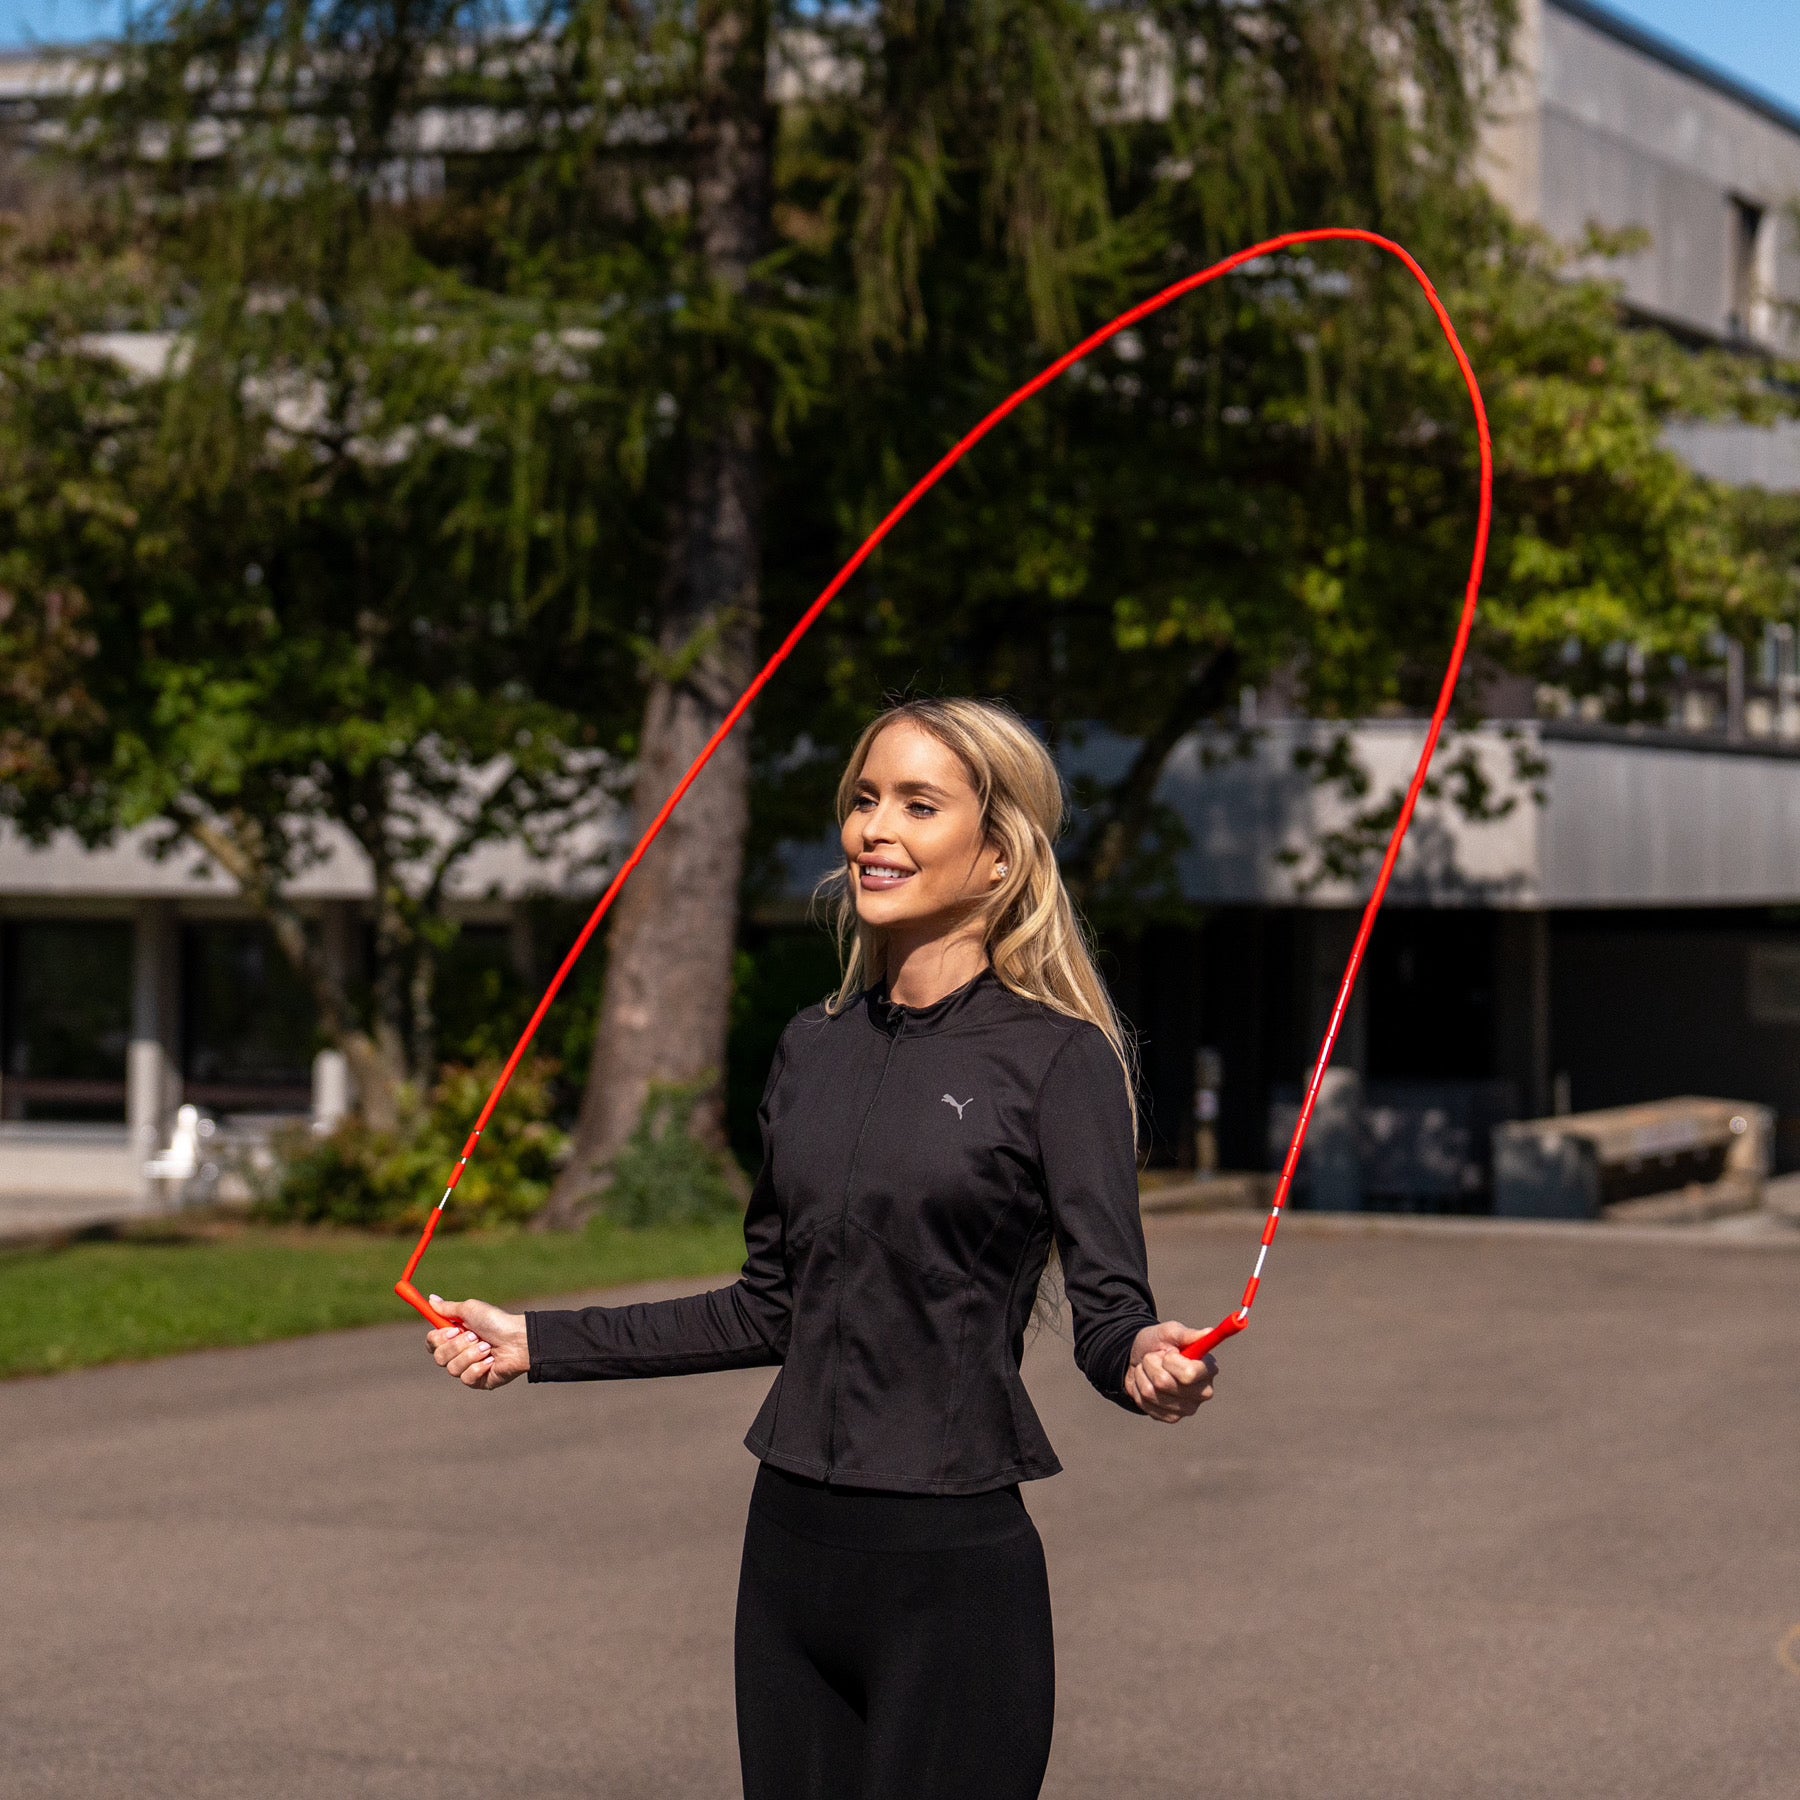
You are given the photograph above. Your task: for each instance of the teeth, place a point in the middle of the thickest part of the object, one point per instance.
(884, 869)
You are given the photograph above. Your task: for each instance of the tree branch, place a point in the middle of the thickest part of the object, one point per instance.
(1123, 815)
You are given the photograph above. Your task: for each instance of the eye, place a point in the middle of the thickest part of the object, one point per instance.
(922, 809)
(862, 802)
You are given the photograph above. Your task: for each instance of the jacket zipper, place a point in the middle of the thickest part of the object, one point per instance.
(837, 1317)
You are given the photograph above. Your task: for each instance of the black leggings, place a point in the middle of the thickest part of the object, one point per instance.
(892, 1646)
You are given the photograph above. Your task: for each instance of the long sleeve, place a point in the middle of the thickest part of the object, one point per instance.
(1089, 1163)
(742, 1326)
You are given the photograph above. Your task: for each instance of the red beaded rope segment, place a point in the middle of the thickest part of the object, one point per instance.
(1236, 1321)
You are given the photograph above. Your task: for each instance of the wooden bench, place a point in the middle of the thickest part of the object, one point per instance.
(1688, 1157)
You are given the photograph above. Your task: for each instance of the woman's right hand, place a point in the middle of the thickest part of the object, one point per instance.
(1162, 1382)
(487, 1350)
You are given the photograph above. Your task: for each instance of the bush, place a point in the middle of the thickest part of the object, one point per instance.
(663, 1176)
(393, 1179)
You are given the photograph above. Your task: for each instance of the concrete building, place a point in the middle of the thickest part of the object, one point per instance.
(1624, 929)
(1628, 928)
(132, 982)
(1607, 125)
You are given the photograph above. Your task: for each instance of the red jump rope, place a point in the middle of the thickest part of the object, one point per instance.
(1233, 1322)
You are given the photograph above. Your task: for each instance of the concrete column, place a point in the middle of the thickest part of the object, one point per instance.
(152, 1067)
(1538, 940)
(1522, 1009)
(330, 1091)
(333, 1092)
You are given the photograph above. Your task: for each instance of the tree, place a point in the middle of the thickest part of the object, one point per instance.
(314, 554)
(541, 372)
(886, 84)
(1272, 485)
(668, 989)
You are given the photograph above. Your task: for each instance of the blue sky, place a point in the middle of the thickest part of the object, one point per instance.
(1755, 40)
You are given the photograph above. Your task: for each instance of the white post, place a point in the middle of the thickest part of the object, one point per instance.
(150, 1058)
(330, 1090)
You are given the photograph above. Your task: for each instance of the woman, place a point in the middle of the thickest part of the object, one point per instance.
(959, 1105)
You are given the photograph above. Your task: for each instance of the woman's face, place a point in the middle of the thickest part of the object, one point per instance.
(918, 861)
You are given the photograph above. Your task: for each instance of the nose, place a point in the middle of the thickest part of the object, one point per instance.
(877, 827)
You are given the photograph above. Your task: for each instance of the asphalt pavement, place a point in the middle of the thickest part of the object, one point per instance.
(1476, 1513)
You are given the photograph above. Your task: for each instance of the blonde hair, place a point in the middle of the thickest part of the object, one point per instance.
(1035, 943)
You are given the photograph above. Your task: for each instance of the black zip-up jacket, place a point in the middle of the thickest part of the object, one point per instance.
(916, 1162)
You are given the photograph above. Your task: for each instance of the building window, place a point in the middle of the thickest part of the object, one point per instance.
(65, 1019)
(248, 1027)
(1774, 984)
(1752, 271)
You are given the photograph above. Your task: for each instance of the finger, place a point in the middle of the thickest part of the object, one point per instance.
(476, 1376)
(1142, 1393)
(1151, 1402)
(454, 1344)
(468, 1356)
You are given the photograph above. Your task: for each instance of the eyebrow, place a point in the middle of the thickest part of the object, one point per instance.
(911, 787)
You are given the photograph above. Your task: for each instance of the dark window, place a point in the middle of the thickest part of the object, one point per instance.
(248, 1022)
(66, 1014)
(1431, 996)
(1749, 304)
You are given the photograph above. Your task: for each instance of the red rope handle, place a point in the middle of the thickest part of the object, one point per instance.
(1236, 1321)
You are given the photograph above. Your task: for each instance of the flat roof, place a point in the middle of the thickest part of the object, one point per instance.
(1664, 50)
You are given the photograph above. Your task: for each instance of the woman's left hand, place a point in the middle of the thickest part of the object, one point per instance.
(1165, 1384)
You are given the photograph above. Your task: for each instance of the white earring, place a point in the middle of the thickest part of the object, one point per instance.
(1000, 870)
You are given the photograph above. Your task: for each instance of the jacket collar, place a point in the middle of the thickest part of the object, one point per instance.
(970, 1000)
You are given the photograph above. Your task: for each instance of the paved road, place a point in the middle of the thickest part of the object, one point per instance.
(1475, 1515)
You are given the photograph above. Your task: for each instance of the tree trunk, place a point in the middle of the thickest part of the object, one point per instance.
(674, 930)
(377, 1058)
(1118, 826)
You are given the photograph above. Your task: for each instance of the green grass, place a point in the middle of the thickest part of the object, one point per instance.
(190, 1287)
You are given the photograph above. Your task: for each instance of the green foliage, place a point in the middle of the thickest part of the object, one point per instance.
(1272, 483)
(176, 1286)
(664, 1175)
(395, 505)
(392, 1179)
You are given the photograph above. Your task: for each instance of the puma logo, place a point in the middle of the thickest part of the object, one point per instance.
(959, 1104)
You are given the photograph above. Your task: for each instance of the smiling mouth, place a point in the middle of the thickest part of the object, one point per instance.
(879, 876)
